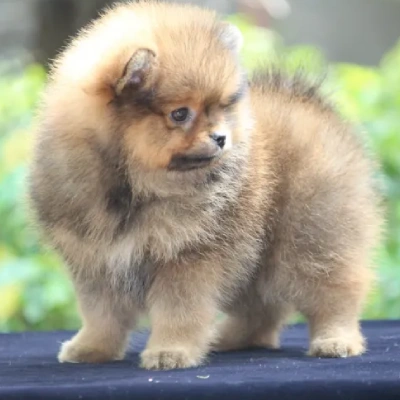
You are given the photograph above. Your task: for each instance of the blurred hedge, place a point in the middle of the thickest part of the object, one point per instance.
(35, 292)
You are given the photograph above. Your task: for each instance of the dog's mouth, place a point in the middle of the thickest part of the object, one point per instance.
(191, 162)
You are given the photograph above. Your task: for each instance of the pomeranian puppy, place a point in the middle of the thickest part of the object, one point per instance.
(173, 185)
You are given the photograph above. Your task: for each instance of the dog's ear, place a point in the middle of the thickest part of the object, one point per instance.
(139, 70)
(231, 37)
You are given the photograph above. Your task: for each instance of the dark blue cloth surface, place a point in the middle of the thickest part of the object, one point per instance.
(29, 370)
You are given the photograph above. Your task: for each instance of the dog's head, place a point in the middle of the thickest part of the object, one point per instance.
(167, 78)
(181, 101)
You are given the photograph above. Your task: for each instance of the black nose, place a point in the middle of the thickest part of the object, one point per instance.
(219, 139)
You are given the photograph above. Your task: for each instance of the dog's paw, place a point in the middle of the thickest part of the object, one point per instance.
(337, 347)
(74, 352)
(169, 358)
(228, 341)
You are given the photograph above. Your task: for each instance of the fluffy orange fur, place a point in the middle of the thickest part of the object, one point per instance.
(259, 201)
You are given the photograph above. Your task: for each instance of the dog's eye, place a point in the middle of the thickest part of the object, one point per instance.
(180, 115)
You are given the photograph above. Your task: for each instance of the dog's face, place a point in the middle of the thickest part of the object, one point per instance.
(183, 105)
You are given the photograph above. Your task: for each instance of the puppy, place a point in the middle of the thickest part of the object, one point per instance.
(172, 185)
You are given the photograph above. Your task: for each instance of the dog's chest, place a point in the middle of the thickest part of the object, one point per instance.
(161, 230)
(156, 238)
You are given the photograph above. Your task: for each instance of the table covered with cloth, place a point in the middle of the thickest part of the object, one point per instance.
(29, 370)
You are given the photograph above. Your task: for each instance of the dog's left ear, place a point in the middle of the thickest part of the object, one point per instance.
(231, 37)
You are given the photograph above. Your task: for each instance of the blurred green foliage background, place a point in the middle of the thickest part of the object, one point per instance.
(35, 292)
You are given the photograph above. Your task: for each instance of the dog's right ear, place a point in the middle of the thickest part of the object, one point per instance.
(138, 71)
